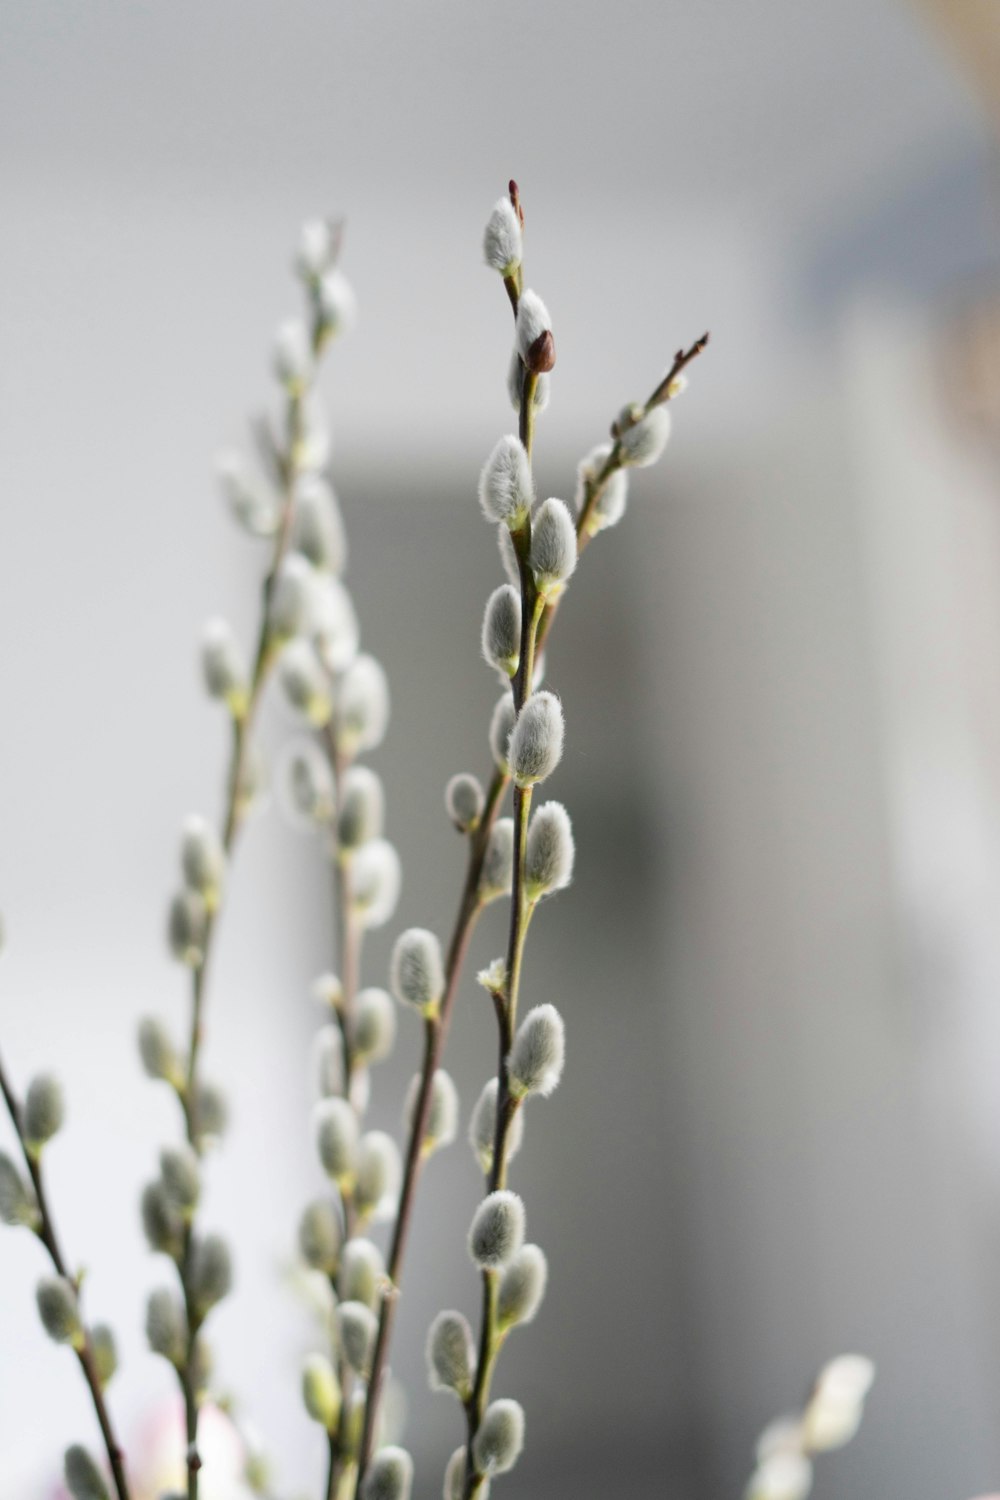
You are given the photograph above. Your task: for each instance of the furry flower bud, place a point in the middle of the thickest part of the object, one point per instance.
(249, 503)
(337, 1139)
(533, 331)
(317, 524)
(203, 861)
(836, 1405)
(361, 1273)
(501, 633)
(17, 1201)
(223, 668)
(357, 1327)
(212, 1113)
(321, 1391)
(105, 1352)
(536, 1059)
(522, 1286)
(166, 1326)
(536, 741)
(362, 706)
(416, 972)
(451, 1355)
(379, 1173)
(609, 507)
(464, 800)
(783, 1476)
(157, 1051)
(161, 1223)
(58, 1310)
(211, 1275)
(454, 1478)
(335, 629)
(305, 785)
(501, 728)
(338, 306)
(643, 443)
(376, 877)
(483, 1127)
(548, 859)
(502, 238)
(317, 248)
(44, 1110)
(293, 358)
(553, 547)
(497, 1230)
(497, 874)
(506, 492)
(515, 385)
(442, 1113)
(292, 607)
(305, 683)
(374, 1029)
(83, 1477)
(320, 1236)
(500, 1439)
(181, 1178)
(187, 927)
(362, 807)
(389, 1475)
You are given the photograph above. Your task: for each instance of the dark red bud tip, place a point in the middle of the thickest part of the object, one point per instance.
(542, 354)
(515, 199)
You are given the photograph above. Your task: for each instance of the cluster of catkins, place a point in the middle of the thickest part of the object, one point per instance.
(830, 1418)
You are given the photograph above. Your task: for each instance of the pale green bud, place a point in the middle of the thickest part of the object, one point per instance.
(305, 684)
(83, 1477)
(335, 629)
(59, 1311)
(454, 1478)
(223, 668)
(213, 1113)
(501, 728)
(483, 1125)
(362, 1272)
(17, 1199)
(379, 1174)
(536, 1059)
(157, 1051)
(337, 303)
(187, 928)
(357, 1328)
(321, 1391)
(376, 878)
(497, 1230)
(249, 503)
(389, 1475)
(536, 741)
(374, 1027)
(252, 785)
(442, 1117)
(328, 1050)
(498, 1443)
(548, 859)
(501, 632)
(416, 971)
(293, 358)
(292, 609)
(609, 507)
(166, 1326)
(522, 1286)
(451, 1355)
(464, 800)
(643, 443)
(506, 492)
(553, 547)
(320, 1236)
(317, 524)
(161, 1222)
(105, 1352)
(203, 860)
(362, 807)
(211, 1275)
(362, 706)
(181, 1178)
(337, 1139)
(497, 873)
(44, 1110)
(305, 785)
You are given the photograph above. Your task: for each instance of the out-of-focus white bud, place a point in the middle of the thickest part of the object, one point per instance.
(203, 861)
(500, 1439)
(187, 927)
(161, 1223)
(376, 878)
(643, 444)
(451, 1355)
(223, 668)
(785, 1476)
(522, 1286)
(362, 706)
(833, 1414)
(158, 1053)
(293, 357)
(501, 729)
(293, 603)
(211, 1274)
(357, 1328)
(609, 507)
(362, 1272)
(166, 1326)
(317, 524)
(501, 633)
(44, 1110)
(442, 1115)
(389, 1475)
(305, 785)
(317, 247)
(17, 1201)
(548, 859)
(536, 1059)
(379, 1173)
(337, 303)
(533, 331)
(416, 971)
(515, 385)
(502, 238)
(180, 1177)
(249, 503)
(362, 807)
(374, 1028)
(83, 1477)
(464, 800)
(251, 788)
(336, 632)
(212, 1113)
(305, 683)
(506, 492)
(321, 1391)
(59, 1311)
(536, 741)
(328, 1062)
(497, 1231)
(337, 1139)
(313, 444)
(454, 1478)
(553, 547)
(328, 990)
(320, 1236)
(105, 1352)
(497, 874)
(483, 1129)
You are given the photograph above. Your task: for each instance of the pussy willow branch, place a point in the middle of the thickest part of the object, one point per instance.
(49, 1238)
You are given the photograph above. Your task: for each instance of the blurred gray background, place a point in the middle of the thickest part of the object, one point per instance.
(779, 1133)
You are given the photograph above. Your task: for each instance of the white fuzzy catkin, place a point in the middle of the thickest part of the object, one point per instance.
(362, 807)
(498, 1443)
(374, 1025)
(362, 1272)
(337, 1138)
(508, 556)
(536, 741)
(357, 1327)
(836, 1406)
(362, 706)
(337, 303)
(83, 1477)
(105, 1352)
(389, 1475)
(317, 524)
(161, 1223)
(293, 603)
(321, 1391)
(336, 633)
(442, 1113)
(59, 1311)
(464, 800)
(293, 358)
(223, 667)
(501, 632)
(451, 1355)
(305, 683)
(502, 238)
(166, 1326)
(497, 1230)
(305, 785)
(515, 385)
(314, 444)
(156, 1050)
(506, 492)
(497, 874)
(379, 1173)
(203, 860)
(501, 728)
(643, 444)
(212, 1113)
(609, 507)
(536, 1059)
(249, 503)
(317, 247)
(553, 546)
(17, 1201)
(416, 971)
(483, 1125)
(548, 858)
(328, 1061)
(454, 1478)
(376, 879)
(320, 1236)
(187, 926)
(522, 1286)
(532, 322)
(44, 1110)
(211, 1274)
(784, 1476)
(180, 1176)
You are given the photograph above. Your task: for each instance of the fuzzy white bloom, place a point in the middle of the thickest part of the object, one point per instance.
(464, 800)
(157, 1051)
(249, 503)
(293, 358)
(314, 443)
(59, 1310)
(17, 1200)
(335, 629)
(374, 1028)
(442, 1114)
(83, 1477)
(166, 1326)
(305, 683)
(389, 1475)
(317, 525)
(454, 1478)
(337, 303)
(223, 668)
(515, 385)
(305, 785)
(522, 1286)
(292, 610)
(784, 1476)
(548, 859)
(451, 1355)
(643, 444)
(836, 1406)
(337, 1138)
(536, 741)
(317, 247)
(252, 786)
(497, 874)
(181, 1177)
(187, 926)
(508, 556)
(362, 706)
(501, 633)
(211, 1275)
(376, 879)
(328, 1062)
(379, 1173)
(416, 970)
(362, 1272)
(506, 492)
(497, 1230)
(483, 1127)
(321, 1391)
(203, 860)
(357, 1327)
(533, 322)
(501, 729)
(500, 1439)
(609, 507)
(320, 1236)
(362, 807)
(553, 547)
(502, 238)
(784, 1435)
(44, 1110)
(536, 1059)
